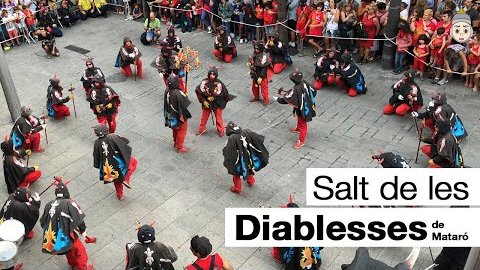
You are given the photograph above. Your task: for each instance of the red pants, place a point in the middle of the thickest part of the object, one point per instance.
(112, 124)
(276, 254)
(400, 110)
(30, 178)
(131, 168)
(278, 67)
(77, 256)
(227, 58)
(256, 90)
(427, 150)
(237, 182)
(302, 128)
(179, 134)
(352, 92)
(419, 65)
(331, 79)
(127, 71)
(61, 111)
(218, 119)
(32, 142)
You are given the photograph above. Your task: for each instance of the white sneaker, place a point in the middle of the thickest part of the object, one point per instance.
(232, 35)
(442, 81)
(291, 44)
(209, 29)
(241, 41)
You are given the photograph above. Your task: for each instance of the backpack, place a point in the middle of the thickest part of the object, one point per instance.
(143, 36)
(458, 129)
(211, 267)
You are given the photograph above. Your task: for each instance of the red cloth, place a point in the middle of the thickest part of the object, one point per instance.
(132, 166)
(205, 263)
(429, 123)
(303, 128)
(256, 90)
(127, 71)
(317, 84)
(270, 18)
(419, 29)
(61, 111)
(352, 92)
(179, 134)
(400, 110)
(447, 27)
(471, 58)
(30, 178)
(370, 29)
(227, 58)
(77, 256)
(237, 182)
(279, 67)
(418, 64)
(276, 254)
(218, 119)
(259, 12)
(316, 18)
(112, 124)
(32, 142)
(437, 44)
(302, 16)
(427, 150)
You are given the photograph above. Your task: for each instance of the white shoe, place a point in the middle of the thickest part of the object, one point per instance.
(232, 35)
(291, 44)
(209, 29)
(241, 41)
(442, 81)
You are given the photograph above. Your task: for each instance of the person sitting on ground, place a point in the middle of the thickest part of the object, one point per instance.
(136, 12)
(86, 9)
(99, 8)
(152, 28)
(66, 14)
(48, 42)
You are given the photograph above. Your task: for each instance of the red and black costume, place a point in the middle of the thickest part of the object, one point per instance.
(22, 207)
(406, 97)
(90, 73)
(175, 113)
(213, 95)
(26, 131)
(16, 174)
(324, 74)
(442, 148)
(55, 101)
(166, 64)
(224, 46)
(129, 55)
(351, 75)
(244, 155)
(113, 157)
(61, 220)
(149, 254)
(302, 98)
(278, 53)
(391, 160)
(104, 103)
(259, 63)
(172, 41)
(438, 110)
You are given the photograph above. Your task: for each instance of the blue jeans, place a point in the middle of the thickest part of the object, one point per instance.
(399, 56)
(205, 18)
(228, 25)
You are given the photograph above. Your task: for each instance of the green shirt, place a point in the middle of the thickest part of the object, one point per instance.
(153, 25)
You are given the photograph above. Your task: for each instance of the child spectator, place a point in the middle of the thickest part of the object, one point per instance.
(473, 59)
(8, 20)
(196, 7)
(331, 26)
(20, 23)
(259, 14)
(315, 23)
(136, 12)
(437, 49)
(421, 52)
(303, 14)
(30, 20)
(187, 19)
(403, 41)
(269, 17)
(249, 19)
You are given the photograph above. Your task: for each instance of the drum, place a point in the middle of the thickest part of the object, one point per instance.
(12, 230)
(8, 250)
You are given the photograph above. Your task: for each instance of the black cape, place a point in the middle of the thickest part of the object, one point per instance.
(447, 152)
(300, 258)
(59, 220)
(452, 258)
(353, 77)
(226, 43)
(21, 129)
(245, 153)
(54, 97)
(175, 106)
(302, 98)
(92, 73)
(391, 160)
(405, 88)
(151, 256)
(322, 67)
(259, 64)
(216, 89)
(111, 155)
(14, 172)
(24, 211)
(124, 58)
(278, 52)
(101, 97)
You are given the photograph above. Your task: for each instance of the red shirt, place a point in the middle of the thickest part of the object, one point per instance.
(259, 12)
(447, 27)
(205, 264)
(270, 18)
(303, 14)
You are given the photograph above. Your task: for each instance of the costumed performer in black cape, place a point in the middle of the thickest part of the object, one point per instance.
(113, 157)
(243, 155)
(351, 75)
(24, 207)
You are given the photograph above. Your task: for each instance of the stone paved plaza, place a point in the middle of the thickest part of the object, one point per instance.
(186, 194)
